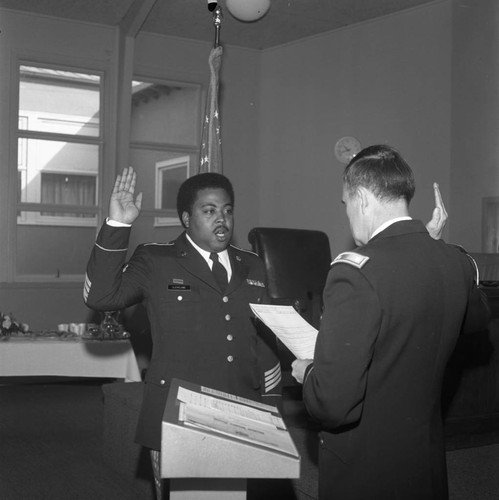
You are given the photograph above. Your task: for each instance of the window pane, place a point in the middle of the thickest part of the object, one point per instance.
(58, 173)
(66, 189)
(147, 162)
(53, 252)
(67, 159)
(165, 113)
(58, 101)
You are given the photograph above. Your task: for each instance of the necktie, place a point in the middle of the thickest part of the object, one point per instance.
(219, 272)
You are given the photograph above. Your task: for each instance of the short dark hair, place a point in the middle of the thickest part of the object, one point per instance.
(189, 189)
(383, 171)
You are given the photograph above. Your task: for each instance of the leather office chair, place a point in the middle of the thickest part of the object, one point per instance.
(297, 262)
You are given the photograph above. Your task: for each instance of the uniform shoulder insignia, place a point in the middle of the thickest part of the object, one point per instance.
(150, 244)
(245, 250)
(353, 258)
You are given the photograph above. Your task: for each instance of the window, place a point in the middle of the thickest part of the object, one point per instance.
(164, 134)
(59, 154)
(68, 189)
(58, 146)
(169, 176)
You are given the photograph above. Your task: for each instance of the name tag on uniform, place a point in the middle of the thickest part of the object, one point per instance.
(178, 287)
(255, 283)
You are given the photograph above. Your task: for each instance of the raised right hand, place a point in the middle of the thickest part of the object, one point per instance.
(122, 206)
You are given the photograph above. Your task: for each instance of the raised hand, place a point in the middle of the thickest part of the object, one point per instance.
(439, 217)
(122, 206)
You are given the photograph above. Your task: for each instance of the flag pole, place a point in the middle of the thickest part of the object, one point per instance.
(210, 155)
(217, 22)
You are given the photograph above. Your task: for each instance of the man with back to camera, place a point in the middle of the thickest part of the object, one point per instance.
(202, 331)
(393, 310)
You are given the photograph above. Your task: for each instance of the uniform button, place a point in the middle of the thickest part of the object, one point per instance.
(162, 382)
(321, 441)
(180, 297)
(227, 317)
(229, 337)
(225, 299)
(230, 359)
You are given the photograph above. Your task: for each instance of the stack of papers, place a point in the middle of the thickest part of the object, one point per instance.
(234, 420)
(293, 331)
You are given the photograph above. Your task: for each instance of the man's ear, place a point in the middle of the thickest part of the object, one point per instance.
(186, 218)
(364, 198)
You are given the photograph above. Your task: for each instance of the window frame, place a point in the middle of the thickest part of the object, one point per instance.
(190, 152)
(163, 167)
(10, 273)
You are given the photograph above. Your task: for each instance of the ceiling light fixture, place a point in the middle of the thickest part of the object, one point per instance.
(248, 10)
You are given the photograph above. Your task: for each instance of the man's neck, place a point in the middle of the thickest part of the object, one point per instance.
(386, 214)
(388, 223)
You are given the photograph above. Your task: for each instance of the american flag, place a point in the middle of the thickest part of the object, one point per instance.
(210, 157)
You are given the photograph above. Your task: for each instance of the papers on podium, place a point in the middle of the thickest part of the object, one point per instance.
(236, 420)
(208, 433)
(295, 333)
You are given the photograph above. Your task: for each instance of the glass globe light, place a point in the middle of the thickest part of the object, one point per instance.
(248, 10)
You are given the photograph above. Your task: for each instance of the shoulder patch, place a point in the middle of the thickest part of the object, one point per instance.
(353, 258)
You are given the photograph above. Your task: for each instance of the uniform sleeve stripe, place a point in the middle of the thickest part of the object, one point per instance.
(268, 380)
(475, 265)
(273, 377)
(111, 249)
(269, 387)
(275, 369)
(86, 288)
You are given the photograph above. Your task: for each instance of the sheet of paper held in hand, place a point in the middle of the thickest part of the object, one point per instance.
(295, 333)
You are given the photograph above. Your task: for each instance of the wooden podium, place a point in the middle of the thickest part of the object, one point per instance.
(212, 442)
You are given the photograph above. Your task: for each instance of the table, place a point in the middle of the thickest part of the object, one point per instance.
(70, 358)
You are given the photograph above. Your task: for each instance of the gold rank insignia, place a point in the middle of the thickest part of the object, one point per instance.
(353, 258)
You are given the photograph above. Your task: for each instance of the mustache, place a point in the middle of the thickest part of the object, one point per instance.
(221, 226)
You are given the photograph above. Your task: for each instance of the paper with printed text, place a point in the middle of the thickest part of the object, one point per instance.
(293, 331)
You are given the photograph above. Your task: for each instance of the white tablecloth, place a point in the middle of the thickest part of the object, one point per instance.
(69, 358)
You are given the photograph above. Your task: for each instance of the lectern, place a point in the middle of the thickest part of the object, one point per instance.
(212, 442)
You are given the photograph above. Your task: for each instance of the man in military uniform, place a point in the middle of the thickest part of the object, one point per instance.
(393, 311)
(202, 327)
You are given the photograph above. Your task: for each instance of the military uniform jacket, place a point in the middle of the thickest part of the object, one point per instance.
(199, 334)
(393, 313)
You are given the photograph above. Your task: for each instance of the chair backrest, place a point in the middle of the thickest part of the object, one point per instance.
(297, 262)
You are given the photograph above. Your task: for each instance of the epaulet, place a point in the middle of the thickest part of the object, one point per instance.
(353, 258)
(243, 250)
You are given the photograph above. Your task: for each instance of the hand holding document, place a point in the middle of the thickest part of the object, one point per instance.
(295, 333)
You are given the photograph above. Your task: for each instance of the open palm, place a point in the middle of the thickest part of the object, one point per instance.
(124, 207)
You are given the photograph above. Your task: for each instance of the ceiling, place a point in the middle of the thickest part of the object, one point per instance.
(286, 21)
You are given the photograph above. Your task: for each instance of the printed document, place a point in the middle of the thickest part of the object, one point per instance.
(234, 420)
(295, 333)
